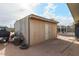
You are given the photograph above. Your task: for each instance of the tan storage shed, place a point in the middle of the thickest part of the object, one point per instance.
(36, 29)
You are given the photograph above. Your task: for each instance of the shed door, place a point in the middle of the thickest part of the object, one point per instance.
(46, 31)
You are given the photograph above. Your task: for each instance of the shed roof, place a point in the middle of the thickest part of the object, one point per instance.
(42, 18)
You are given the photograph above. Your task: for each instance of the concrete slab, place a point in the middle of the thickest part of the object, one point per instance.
(63, 46)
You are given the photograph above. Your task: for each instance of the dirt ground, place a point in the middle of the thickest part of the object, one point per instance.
(63, 46)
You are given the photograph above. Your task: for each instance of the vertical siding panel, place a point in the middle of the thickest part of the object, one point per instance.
(46, 31)
(52, 31)
(37, 30)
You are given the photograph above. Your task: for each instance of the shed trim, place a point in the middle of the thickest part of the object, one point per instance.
(42, 18)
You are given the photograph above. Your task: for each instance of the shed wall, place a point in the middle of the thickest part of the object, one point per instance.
(36, 31)
(41, 31)
(52, 31)
(17, 26)
(22, 26)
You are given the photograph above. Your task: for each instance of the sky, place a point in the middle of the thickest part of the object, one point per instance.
(10, 12)
(59, 12)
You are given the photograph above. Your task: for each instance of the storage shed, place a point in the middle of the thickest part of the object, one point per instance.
(36, 29)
